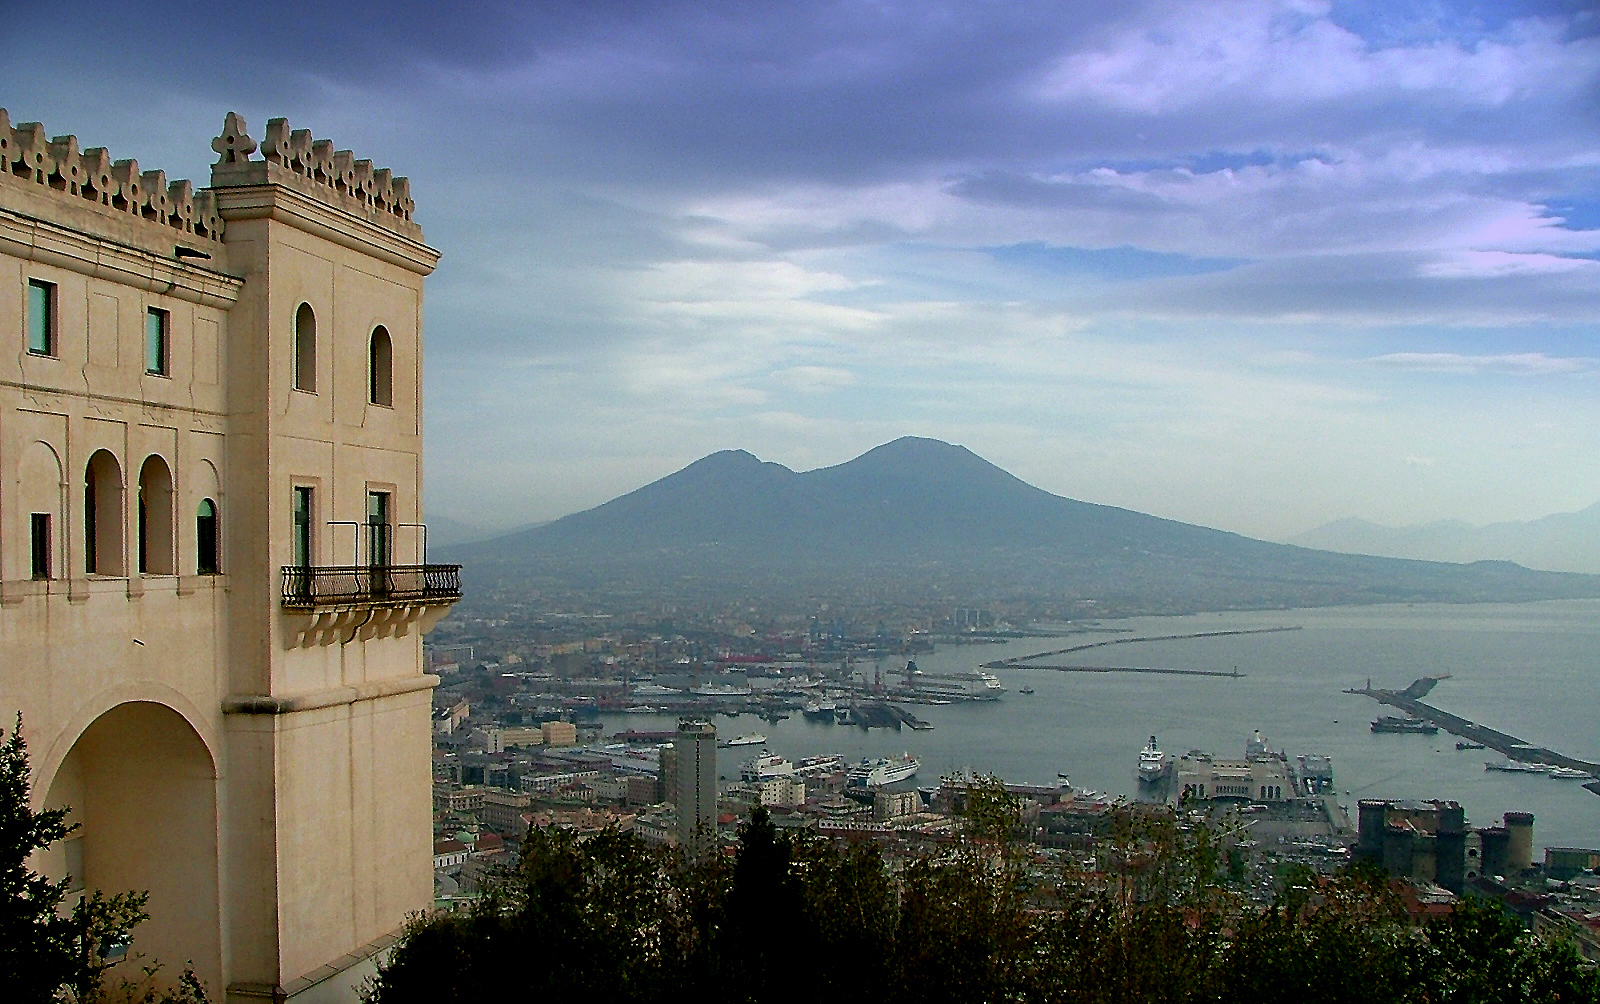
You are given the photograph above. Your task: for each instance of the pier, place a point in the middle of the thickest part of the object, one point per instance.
(1513, 748)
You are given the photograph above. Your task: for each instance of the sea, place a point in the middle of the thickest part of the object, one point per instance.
(1529, 669)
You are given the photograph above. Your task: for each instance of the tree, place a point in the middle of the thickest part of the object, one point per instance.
(48, 956)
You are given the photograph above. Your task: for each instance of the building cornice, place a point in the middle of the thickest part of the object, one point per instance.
(33, 239)
(263, 704)
(280, 203)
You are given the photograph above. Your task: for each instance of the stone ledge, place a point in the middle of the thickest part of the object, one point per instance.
(264, 704)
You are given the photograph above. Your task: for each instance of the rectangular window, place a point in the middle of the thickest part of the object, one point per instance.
(302, 527)
(156, 325)
(378, 528)
(41, 317)
(39, 525)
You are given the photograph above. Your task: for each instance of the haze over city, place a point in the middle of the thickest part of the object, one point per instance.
(1256, 266)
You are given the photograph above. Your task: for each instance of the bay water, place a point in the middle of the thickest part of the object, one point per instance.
(1532, 670)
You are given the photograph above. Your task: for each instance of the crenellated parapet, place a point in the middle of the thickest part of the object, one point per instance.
(292, 157)
(57, 164)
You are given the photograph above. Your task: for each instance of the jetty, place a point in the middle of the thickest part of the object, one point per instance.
(1410, 701)
(1235, 674)
(1017, 661)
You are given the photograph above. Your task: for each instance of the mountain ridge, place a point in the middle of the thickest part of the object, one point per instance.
(923, 521)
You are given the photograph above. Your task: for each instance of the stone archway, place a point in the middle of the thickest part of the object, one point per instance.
(143, 788)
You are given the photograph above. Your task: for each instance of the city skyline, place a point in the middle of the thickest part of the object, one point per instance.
(1256, 266)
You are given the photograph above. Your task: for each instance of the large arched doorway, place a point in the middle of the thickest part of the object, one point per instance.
(143, 788)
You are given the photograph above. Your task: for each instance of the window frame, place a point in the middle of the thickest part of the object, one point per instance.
(207, 538)
(380, 367)
(302, 538)
(157, 342)
(304, 378)
(47, 325)
(41, 542)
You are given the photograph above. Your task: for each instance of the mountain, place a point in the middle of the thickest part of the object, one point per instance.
(921, 521)
(1563, 542)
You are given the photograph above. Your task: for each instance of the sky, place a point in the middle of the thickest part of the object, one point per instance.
(1255, 265)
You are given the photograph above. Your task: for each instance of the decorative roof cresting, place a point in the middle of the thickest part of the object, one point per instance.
(295, 155)
(91, 175)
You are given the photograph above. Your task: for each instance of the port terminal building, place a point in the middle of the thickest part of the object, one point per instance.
(1265, 778)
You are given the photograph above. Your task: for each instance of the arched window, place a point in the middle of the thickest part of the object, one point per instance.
(102, 515)
(155, 518)
(380, 368)
(305, 349)
(205, 537)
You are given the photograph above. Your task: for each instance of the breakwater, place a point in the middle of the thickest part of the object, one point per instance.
(1127, 669)
(1512, 747)
(1027, 661)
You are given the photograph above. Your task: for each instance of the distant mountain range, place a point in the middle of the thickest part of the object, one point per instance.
(1564, 542)
(920, 521)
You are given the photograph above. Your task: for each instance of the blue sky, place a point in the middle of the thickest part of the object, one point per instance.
(1256, 265)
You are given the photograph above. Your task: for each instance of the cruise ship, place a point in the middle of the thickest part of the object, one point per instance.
(1153, 764)
(973, 686)
(870, 773)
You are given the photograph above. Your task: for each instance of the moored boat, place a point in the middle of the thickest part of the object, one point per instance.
(870, 773)
(749, 739)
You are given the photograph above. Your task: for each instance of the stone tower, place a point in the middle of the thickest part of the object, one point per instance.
(212, 579)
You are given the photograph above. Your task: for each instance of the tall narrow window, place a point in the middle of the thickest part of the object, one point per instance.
(380, 368)
(305, 349)
(155, 518)
(39, 527)
(41, 317)
(302, 527)
(156, 325)
(378, 528)
(103, 515)
(205, 539)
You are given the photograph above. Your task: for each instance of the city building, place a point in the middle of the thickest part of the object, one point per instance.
(212, 581)
(696, 796)
(1259, 778)
(1429, 841)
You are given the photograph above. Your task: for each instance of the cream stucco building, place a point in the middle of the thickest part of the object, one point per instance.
(212, 579)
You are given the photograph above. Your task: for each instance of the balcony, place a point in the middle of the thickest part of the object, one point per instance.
(311, 588)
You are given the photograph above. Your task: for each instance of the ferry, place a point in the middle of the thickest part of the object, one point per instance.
(1153, 763)
(870, 773)
(765, 768)
(1570, 774)
(1412, 726)
(1518, 767)
(820, 710)
(974, 686)
(749, 739)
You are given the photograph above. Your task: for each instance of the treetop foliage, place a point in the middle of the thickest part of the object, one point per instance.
(794, 916)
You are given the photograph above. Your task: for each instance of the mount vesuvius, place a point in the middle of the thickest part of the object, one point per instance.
(921, 521)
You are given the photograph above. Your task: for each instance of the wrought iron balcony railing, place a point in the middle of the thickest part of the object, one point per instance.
(309, 587)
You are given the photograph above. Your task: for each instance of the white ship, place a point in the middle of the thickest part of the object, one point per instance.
(1570, 774)
(885, 770)
(1518, 767)
(765, 768)
(1153, 764)
(752, 739)
(974, 686)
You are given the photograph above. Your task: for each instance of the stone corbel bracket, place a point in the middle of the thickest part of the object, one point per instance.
(345, 624)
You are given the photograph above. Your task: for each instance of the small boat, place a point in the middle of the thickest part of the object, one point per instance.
(1470, 746)
(1024, 690)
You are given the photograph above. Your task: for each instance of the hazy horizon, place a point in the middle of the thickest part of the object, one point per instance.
(1257, 266)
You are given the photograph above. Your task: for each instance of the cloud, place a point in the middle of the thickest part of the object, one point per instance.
(1517, 364)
